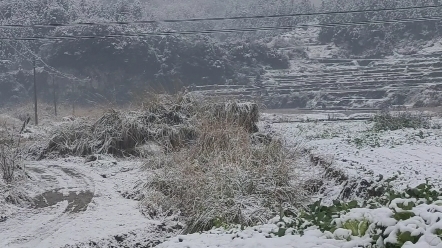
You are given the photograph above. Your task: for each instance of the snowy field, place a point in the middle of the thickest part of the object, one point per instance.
(94, 204)
(406, 157)
(410, 155)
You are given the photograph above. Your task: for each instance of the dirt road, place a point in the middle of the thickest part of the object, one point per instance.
(74, 203)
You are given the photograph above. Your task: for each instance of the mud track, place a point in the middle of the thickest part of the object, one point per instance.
(66, 193)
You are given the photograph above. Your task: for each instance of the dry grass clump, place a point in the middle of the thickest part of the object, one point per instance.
(71, 139)
(243, 114)
(170, 121)
(121, 133)
(10, 153)
(223, 179)
(386, 120)
(158, 103)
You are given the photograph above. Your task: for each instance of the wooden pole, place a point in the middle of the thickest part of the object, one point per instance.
(54, 94)
(73, 108)
(35, 97)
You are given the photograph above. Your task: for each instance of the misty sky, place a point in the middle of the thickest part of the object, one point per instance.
(316, 2)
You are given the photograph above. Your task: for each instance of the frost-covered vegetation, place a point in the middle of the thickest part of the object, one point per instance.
(219, 172)
(223, 179)
(393, 220)
(386, 120)
(408, 219)
(379, 40)
(169, 121)
(10, 152)
(205, 161)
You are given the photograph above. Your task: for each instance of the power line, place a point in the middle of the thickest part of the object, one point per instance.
(52, 25)
(53, 70)
(215, 31)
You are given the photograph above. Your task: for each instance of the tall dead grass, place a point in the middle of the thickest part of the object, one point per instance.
(10, 153)
(170, 121)
(120, 134)
(163, 119)
(223, 179)
(242, 114)
(211, 171)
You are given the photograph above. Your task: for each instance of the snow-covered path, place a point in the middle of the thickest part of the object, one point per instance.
(75, 202)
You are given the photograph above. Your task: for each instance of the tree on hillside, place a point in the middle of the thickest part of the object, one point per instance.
(377, 40)
(114, 67)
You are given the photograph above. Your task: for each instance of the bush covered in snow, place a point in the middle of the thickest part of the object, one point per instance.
(121, 133)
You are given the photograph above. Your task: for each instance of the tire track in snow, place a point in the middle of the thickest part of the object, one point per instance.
(66, 192)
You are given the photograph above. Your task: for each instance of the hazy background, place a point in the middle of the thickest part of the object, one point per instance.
(116, 70)
(316, 2)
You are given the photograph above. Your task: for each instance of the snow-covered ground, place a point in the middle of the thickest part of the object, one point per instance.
(410, 155)
(254, 237)
(89, 207)
(93, 204)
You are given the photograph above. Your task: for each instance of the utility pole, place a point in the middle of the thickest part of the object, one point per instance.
(54, 94)
(35, 96)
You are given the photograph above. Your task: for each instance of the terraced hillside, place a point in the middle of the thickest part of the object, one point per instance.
(326, 80)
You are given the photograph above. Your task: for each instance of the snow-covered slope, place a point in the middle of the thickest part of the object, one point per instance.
(326, 78)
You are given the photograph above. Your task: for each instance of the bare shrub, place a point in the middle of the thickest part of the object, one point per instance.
(223, 179)
(10, 155)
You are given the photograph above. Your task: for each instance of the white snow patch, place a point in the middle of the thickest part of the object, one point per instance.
(108, 214)
(410, 155)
